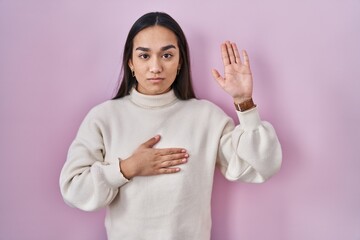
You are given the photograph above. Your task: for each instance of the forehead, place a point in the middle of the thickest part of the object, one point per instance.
(155, 37)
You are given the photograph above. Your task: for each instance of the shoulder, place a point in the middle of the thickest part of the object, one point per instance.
(205, 107)
(106, 109)
(108, 106)
(203, 104)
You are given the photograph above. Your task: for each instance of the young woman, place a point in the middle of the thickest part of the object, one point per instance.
(149, 154)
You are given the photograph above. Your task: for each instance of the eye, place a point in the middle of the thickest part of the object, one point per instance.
(144, 56)
(167, 55)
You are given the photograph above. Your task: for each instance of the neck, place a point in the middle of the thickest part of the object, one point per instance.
(153, 101)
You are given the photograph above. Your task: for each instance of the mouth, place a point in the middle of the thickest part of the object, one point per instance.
(155, 80)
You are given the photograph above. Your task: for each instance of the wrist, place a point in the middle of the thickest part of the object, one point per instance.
(240, 99)
(126, 170)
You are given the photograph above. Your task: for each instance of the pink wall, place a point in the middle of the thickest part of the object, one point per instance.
(59, 58)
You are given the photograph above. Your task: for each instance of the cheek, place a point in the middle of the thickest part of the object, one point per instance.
(173, 67)
(139, 66)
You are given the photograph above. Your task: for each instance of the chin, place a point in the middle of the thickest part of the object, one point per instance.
(154, 90)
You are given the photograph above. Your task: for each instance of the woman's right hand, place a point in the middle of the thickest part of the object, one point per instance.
(147, 161)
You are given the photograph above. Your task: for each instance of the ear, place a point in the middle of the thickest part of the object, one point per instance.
(130, 64)
(180, 63)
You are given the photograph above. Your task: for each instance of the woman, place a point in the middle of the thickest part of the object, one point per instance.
(149, 154)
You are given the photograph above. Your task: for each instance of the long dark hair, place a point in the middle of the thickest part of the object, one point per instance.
(182, 85)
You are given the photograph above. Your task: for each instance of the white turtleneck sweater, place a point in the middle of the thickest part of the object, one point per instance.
(172, 206)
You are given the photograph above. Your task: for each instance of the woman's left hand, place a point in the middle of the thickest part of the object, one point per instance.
(237, 80)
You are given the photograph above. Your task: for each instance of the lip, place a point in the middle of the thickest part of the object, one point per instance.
(155, 80)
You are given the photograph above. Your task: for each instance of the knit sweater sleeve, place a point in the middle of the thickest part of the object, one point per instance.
(87, 181)
(249, 152)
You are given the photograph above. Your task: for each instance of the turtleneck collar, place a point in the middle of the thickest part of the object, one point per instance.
(152, 101)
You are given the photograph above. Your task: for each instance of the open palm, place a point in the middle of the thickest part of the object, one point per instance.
(237, 80)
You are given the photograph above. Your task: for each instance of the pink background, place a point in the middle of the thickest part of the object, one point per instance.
(60, 58)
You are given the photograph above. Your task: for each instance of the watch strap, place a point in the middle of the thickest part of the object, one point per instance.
(245, 105)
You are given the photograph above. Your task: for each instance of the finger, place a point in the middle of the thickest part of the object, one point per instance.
(236, 53)
(168, 170)
(225, 54)
(217, 77)
(151, 142)
(230, 51)
(172, 157)
(167, 164)
(170, 151)
(246, 58)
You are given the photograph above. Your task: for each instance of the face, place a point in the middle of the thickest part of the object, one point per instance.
(155, 60)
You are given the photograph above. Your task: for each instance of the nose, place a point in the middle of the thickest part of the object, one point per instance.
(155, 65)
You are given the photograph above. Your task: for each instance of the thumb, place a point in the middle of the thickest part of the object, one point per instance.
(217, 77)
(151, 142)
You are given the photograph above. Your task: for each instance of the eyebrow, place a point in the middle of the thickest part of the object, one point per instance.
(167, 47)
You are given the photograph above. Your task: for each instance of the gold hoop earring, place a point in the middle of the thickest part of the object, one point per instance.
(132, 73)
(178, 71)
